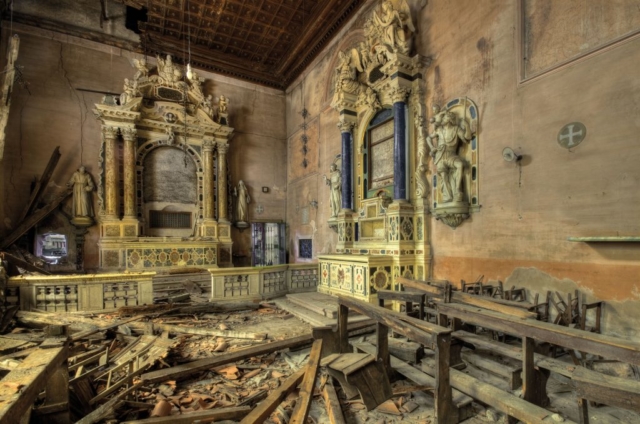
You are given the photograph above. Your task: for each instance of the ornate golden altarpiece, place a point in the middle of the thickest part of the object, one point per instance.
(382, 221)
(163, 111)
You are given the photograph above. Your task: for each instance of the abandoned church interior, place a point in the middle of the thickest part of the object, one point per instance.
(319, 211)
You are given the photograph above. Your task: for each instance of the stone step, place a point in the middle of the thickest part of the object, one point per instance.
(322, 304)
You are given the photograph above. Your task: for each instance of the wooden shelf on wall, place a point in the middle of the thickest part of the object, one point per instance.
(606, 239)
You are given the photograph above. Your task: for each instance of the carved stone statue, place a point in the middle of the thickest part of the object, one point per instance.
(243, 202)
(142, 69)
(391, 24)
(335, 183)
(130, 91)
(447, 137)
(207, 105)
(346, 80)
(82, 184)
(222, 104)
(169, 72)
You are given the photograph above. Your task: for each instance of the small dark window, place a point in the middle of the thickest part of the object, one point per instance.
(162, 219)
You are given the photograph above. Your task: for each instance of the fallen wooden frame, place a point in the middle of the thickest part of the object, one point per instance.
(431, 335)
(218, 414)
(301, 410)
(262, 411)
(20, 388)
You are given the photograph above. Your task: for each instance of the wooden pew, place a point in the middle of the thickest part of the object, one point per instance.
(433, 336)
(590, 385)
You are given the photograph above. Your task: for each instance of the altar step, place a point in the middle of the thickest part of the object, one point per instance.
(299, 309)
(322, 304)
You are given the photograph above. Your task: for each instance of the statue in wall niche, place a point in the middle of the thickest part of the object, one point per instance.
(142, 69)
(243, 201)
(335, 184)
(449, 132)
(82, 211)
(394, 26)
(130, 91)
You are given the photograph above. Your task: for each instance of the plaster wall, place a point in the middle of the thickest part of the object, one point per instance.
(528, 210)
(66, 76)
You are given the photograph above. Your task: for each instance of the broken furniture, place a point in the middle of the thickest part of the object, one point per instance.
(430, 335)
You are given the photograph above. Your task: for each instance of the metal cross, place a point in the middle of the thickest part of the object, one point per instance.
(259, 209)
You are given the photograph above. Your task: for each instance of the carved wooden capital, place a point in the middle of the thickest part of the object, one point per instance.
(345, 126)
(222, 148)
(110, 132)
(399, 94)
(128, 133)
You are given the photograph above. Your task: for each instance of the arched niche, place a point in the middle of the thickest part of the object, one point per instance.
(171, 190)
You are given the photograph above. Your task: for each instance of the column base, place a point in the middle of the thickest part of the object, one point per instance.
(208, 228)
(112, 227)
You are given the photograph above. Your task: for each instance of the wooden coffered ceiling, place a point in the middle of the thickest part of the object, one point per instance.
(269, 42)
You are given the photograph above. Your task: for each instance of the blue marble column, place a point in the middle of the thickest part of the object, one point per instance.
(347, 198)
(399, 152)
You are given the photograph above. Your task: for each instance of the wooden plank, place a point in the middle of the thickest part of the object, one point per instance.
(502, 401)
(614, 391)
(334, 410)
(512, 373)
(190, 368)
(34, 218)
(83, 334)
(432, 291)
(443, 405)
(459, 399)
(402, 296)
(528, 371)
(22, 263)
(301, 410)
(176, 329)
(420, 331)
(42, 183)
(108, 407)
(597, 344)
(232, 413)
(343, 321)
(19, 388)
(262, 411)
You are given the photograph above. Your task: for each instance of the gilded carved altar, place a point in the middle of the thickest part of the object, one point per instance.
(398, 167)
(162, 186)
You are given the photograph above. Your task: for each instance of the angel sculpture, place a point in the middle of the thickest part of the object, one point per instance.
(207, 105)
(196, 84)
(392, 22)
(130, 91)
(346, 80)
(141, 66)
(222, 104)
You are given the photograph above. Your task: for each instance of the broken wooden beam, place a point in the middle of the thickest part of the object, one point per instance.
(301, 410)
(41, 184)
(34, 218)
(83, 334)
(19, 388)
(175, 329)
(185, 370)
(19, 262)
(262, 411)
(232, 413)
(334, 410)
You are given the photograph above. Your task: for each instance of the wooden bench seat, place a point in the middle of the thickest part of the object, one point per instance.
(511, 372)
(360, 371)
